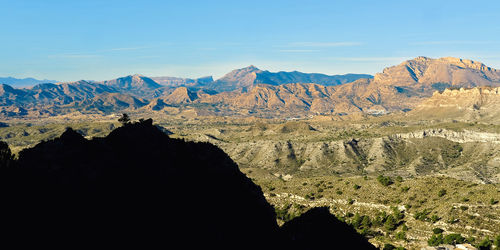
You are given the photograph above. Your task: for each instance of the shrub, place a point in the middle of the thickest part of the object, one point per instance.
(405, 189)
(493, 201)
(435, 240)
(388, 246)
(454, 239)
(485, 244)
(385, 180)
(497, 241)
(390, 223)
(422, 215)
(401, 235)
(442, 192)
(356, 186)
(437, 230)
(435, 218)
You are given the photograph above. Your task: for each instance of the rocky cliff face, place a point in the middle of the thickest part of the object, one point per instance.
(406, 85)
(475, 104)
(447, 70)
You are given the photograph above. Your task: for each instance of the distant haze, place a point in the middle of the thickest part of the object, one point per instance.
(21, 83)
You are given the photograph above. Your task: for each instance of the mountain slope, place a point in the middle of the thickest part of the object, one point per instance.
(246, 78)
(254, 92)
(404, 86)
(138, 85)
(182, 82)
(475, 104)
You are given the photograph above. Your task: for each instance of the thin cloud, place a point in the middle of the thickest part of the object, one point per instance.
(298, 50)
(370, 59)
(76, 56)
(207, 49)
(129, 48)
(324, 44)
(451, 43)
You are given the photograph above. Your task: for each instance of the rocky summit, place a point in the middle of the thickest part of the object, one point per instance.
(253, 92)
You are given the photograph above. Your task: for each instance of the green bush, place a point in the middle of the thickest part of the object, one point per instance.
(435, 218)
(401, 235)
(390, 223)
(435, 240)
(485, 244)
(385, 180)
(422, 215)
(398, 215)
(497, 241)
(437, 230)
(454, 239)
(442, 192)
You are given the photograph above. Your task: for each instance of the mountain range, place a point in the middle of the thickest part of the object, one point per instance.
(24, 82)
(253, 92)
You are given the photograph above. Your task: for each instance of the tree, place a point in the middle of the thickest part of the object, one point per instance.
(124, 120)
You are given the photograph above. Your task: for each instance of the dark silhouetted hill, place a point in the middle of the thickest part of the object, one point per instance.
(138, 188)
(318, 228)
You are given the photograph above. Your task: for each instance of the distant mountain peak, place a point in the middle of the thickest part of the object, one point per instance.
(24, 82)
(246, 78)
(133, 82)
(251, 67)
(449, 70)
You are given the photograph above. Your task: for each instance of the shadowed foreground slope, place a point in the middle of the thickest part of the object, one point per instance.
(136, 186)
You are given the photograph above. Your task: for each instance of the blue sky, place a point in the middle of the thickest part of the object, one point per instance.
(97, 40)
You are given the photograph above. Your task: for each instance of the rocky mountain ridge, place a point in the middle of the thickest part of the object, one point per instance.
(254, 92)
(470, 104)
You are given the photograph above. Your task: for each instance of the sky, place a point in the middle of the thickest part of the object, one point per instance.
(105, 39)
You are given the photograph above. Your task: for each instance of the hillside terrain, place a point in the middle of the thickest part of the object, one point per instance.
(340, 161)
